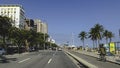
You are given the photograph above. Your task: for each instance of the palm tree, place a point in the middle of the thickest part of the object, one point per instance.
(105, 34)
(98, 32)
(110, 35)
(82, 36)
(92, 35)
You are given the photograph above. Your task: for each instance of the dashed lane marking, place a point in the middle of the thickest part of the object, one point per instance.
(24, 60)
(49, 61)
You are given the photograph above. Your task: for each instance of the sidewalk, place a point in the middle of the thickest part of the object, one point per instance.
(114, 59)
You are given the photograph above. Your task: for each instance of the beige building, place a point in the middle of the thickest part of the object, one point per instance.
(15, 12)
(40, 26)
(44, 28)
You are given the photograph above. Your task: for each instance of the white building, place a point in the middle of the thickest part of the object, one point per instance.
(51, 40)
(44, 28)
(15, 12)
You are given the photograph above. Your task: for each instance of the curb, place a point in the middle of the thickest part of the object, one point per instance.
(89, 65)
(108, 58)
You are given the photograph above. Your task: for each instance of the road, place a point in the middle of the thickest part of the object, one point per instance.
(95, 61)
(42, 59)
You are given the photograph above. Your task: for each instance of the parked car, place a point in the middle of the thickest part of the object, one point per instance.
(31, 49)
(2, 51)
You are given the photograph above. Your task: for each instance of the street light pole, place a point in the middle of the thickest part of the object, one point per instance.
(44, 41)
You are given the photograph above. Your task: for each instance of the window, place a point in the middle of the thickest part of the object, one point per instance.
(14, 8)
(14, 11)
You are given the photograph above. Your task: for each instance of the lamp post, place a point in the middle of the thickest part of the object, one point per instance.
(119, 33)
(44, 41)
(50, 42)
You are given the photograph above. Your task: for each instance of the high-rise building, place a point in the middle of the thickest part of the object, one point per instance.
(37, 25)
(15, 12)
(29, 24)
(44, 28)
(40, 26)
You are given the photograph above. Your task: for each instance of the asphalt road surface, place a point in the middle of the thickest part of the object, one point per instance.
(95, 61)
(42, 59)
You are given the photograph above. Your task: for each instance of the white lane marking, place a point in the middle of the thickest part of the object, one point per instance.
(49, 61)
(51, 58)
(24, 60)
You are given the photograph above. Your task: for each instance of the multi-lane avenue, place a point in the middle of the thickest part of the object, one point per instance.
(52, 59)
(42, 59)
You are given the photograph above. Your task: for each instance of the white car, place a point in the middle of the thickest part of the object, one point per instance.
(2, 51)
(60, 49)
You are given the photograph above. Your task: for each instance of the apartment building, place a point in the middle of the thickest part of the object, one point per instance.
(15, 12)
(40, 26)
(29, 24)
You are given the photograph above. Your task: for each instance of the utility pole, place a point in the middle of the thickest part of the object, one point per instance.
(119, 33)
(44, 41)
(72, 39)
(50, 42)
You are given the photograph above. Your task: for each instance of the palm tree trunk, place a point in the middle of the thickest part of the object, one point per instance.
(96, 43)
(106, 40)
(93, 44)
(110, 40)
(83, 44)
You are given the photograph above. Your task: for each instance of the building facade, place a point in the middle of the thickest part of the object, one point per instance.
(15, 12)
(29, 24)
(40, 26)
(44, 27)
(37, 25)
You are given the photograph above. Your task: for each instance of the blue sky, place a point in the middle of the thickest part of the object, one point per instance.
(65, 17)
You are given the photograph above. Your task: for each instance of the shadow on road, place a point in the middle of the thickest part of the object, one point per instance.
(4, 59)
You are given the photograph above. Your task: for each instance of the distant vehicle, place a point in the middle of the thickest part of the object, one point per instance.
(60, 49)
(2, 51)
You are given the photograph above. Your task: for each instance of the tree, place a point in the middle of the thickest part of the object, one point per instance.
(37, 39)
(110, 35)
(27, 38)
(5, 25)
(105, 34)
(17, 36)
(43, 40)
(82, 36)
(92, 35)
(98, 32)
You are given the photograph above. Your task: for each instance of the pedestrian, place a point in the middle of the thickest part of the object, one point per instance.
(102, 51)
